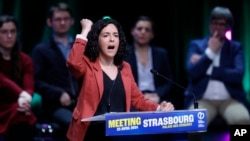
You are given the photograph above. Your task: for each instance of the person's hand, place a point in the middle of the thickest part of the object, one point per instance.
(152, 96)
(86, 27)
(166, 106)
(194, 58)
(215, 42)
(24, 107)
(65, 99)
(24, 102)
(26, 96)
(24, 99)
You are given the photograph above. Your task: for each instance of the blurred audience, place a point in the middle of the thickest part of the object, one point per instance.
(216, 68)
(16, 85)
(144, 56)
(53, 81)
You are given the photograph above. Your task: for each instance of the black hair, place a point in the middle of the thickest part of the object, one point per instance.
(61, 6)
(92, 48)
(16, 70)
(144, 18)
(222, 13)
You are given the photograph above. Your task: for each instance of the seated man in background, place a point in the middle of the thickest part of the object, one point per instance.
(216, 68)
(53, 81)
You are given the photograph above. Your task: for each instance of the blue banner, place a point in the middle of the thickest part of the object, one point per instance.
(135, 123)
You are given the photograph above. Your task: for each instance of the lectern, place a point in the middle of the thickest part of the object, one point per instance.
(153, 122)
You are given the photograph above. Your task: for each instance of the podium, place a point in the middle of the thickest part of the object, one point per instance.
(153, 122)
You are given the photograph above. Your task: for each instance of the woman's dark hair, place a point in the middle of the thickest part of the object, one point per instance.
(92, 49)
(222, 13)
(16, 69)
(144, 18)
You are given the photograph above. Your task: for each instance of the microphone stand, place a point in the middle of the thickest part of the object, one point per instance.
(196, 104)
(191, 136)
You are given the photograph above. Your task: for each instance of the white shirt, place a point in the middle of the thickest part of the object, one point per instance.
(145, 77)
(216, 90)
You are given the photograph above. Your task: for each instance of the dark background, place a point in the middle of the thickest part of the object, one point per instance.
(177, 21)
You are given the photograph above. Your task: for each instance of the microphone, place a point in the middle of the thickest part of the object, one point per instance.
(153, 71)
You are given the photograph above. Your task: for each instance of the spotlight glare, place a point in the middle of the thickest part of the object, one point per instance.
(228, 35)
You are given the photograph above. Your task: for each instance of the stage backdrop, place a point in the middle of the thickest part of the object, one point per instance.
(177, 22)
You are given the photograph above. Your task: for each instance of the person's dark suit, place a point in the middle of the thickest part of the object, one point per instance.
(52, 77)
(160, 63)
(230, 71)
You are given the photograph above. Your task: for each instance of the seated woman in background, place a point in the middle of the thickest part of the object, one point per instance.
(16, 85)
